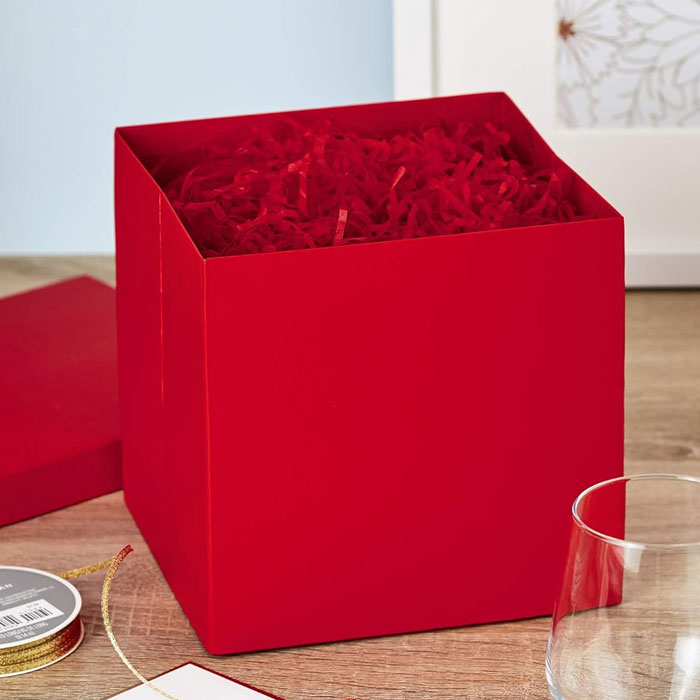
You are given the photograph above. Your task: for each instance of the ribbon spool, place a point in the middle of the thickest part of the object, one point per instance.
(39, 620)
(40, 617)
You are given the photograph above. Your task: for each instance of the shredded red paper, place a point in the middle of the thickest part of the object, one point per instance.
(294, 187)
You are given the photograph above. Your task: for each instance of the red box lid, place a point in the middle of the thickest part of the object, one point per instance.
(59, 427)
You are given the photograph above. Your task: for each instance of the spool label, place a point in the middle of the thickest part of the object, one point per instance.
(33, 605)
(28, 614)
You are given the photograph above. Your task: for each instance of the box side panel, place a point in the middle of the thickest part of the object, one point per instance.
(184, 556)
(524, 132)
(139, 336)
(159, 317)
(398, 431)
(151, 142)
(63, 483)
(590, 202)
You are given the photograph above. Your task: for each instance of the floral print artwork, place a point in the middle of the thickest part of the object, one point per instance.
(628, 63)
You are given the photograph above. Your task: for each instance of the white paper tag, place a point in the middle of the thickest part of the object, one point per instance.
(192, 682)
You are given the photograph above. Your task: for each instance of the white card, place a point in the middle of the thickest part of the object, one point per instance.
(190, 682)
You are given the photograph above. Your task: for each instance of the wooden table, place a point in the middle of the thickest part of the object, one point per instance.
(485, 662)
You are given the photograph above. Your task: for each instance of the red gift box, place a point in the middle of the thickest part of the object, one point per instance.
(58, 411)
(367, 439)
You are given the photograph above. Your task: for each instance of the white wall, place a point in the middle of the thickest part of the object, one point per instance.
(71, 71)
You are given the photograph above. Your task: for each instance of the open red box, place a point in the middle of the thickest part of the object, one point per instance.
(372, 439)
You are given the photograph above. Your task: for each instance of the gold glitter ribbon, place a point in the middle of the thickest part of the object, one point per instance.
(34, 655)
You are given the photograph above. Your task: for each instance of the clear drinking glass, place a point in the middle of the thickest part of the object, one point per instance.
(626, 625)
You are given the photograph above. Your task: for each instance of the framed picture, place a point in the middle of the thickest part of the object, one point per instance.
(613, 85)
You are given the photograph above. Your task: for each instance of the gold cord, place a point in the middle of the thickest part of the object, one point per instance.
(109, 577)
(90, 568)
(34, 655)
(112, 565)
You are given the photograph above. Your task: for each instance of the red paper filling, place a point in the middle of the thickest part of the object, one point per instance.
(295, 187)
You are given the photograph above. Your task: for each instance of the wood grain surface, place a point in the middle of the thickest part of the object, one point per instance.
(485, 662)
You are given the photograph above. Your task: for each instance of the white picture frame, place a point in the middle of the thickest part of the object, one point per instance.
(651, 174)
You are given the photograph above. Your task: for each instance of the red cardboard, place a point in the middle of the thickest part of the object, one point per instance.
(363, 440)
(58, 383)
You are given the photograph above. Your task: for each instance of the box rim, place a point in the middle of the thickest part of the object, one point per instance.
(216, 260)
(122, 133)
(127, 128)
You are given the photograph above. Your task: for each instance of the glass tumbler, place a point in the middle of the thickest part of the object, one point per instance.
(626, 624)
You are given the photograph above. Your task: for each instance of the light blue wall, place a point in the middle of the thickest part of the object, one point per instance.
(71, 71)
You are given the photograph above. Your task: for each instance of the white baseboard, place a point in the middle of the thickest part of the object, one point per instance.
(655, 269)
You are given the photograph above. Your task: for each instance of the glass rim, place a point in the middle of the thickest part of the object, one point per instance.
(631, 544)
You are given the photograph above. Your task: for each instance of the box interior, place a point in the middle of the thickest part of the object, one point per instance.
(169, 149)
